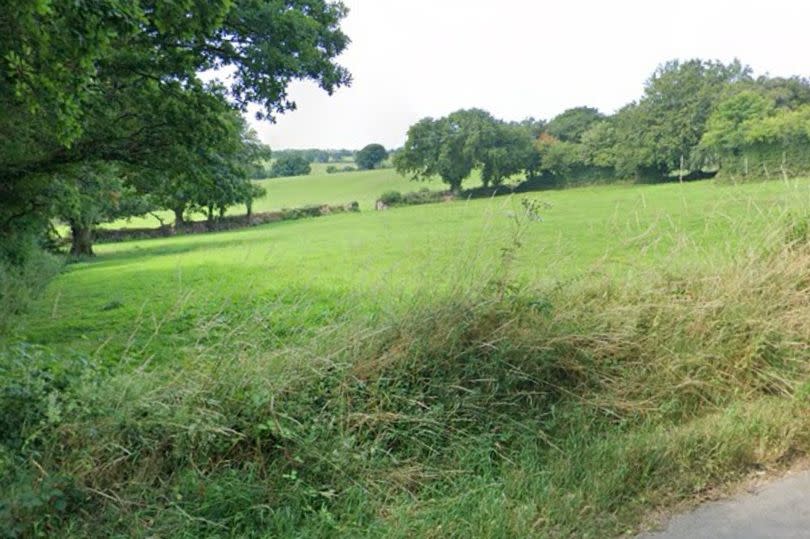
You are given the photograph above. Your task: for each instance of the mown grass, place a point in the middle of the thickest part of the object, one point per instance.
(457, 370)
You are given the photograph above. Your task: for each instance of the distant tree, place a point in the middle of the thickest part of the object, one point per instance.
(249, 194)
(89, 194)
(667, 124)
(784, 128)
(558, 158)
(728, 128)
(208, 175)
(371, 156)
(437, 148)
(534, 126)
(573, 123)
(508, 152)
(789, 92)
(453, 146)
(314, 155)
(292, 165)
(259, 159)
(599, 145)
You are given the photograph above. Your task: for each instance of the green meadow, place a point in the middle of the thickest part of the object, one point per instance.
(373, 259)
(486, 368)
(623, 336)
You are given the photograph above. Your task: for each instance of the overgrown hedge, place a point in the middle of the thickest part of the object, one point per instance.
(103, 235)
(423, 196)
(21, 282)
(767, 162)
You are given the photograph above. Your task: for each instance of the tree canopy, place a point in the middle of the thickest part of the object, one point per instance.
(371, 156)
(118, 81)
(290, 165)
(572, 124)
(693, 118)
(453, 146)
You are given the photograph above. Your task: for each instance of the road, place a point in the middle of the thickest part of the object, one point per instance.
(777, 510)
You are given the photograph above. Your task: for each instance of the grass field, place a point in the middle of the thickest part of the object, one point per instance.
(555, 377)
(365, 187)
(617, 229)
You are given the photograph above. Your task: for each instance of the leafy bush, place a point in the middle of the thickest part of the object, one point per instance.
(293, 165)
(20, 283)
(423, 196)
(332, 169)
(302, 212)
(391, 198)
(37, 388)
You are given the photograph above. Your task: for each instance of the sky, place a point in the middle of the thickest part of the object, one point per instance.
(519, 58)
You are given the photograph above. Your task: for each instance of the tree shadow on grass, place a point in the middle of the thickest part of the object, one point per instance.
(180, 245)
(155, 320)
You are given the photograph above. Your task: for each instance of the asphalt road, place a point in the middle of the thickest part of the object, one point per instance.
(780, 509)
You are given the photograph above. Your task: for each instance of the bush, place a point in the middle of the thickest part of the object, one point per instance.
(391, 198)
(20, 283)
(294, 165)
(423, 196)
(332, 169)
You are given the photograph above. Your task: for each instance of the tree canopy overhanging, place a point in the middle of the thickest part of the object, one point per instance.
(119, 82)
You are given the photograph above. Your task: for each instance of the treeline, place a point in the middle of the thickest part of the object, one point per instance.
(694, 119)
(314, 155)
(105, 115)
(298, 162)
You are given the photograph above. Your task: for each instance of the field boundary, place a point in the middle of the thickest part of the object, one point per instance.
(222, 224)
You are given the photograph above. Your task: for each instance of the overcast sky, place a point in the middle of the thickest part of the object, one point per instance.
(519, 58)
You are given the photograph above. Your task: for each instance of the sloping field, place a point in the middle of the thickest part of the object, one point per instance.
(466, 369)
(376, 258)
(365, 187)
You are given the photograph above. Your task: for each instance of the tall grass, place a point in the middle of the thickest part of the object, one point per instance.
(497, 410)
(20, 283)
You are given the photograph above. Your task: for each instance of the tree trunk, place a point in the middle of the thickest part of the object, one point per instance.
(249, 208)
(178, 218)
(209, 222)
(81, 240)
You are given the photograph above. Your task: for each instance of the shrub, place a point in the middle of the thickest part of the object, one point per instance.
(423, 196)
(294, 165)
(20, 283)
(391, 198)
(332, 169)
